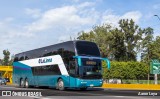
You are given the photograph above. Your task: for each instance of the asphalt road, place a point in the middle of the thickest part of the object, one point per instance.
(91, 93)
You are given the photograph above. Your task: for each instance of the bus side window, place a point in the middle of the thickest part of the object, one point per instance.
(72, 67)
(15, 59)
(26, 58)
(21, 58)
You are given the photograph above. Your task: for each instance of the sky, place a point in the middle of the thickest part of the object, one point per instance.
(31, 24)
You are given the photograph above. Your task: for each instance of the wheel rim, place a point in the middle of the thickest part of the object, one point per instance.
(21, 83)
(60, 84)
(26, 84)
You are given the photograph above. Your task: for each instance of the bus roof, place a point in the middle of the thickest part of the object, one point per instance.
(74, 41)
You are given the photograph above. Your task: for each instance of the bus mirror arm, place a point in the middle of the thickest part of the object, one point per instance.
(107, 61)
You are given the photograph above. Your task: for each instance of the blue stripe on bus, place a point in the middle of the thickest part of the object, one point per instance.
(21, 66)
(18, 67)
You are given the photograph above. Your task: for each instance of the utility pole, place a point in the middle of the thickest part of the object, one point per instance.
(157, 16)
(155, 75)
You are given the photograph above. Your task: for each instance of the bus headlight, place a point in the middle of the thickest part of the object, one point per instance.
(83, 82)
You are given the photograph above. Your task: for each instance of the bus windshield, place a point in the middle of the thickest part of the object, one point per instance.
(87, 49)
(91, 69)
(90, 72)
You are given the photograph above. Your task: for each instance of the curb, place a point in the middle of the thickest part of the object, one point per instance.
(132, 86)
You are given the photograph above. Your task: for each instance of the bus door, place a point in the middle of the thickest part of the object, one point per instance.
(36, 72)
(72, 73)
(36, 80)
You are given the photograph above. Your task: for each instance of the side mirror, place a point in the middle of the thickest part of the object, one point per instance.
(107, 61)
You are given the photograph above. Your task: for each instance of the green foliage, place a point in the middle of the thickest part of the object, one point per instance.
(119, 44)
(152, 50)
(126, 70)
(132, 35)
(6, 61)
(146, 45)
(100, 35)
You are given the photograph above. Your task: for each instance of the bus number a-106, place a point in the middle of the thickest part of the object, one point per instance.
(90, 63)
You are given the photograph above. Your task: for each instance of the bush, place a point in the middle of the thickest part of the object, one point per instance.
(126, 70)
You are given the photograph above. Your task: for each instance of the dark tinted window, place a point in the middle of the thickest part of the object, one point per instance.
(72, 68)
(66, 50)
(21, 57)
(46, 70)
(87, 48)
(16, 59)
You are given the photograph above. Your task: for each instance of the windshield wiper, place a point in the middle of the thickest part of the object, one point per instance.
(85, 55)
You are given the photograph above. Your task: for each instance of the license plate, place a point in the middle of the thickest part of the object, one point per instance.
(91, 85)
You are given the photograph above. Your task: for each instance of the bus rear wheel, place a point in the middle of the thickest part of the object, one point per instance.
(26, 83)
(61, 85)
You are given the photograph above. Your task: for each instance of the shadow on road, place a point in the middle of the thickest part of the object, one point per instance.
(69, 89)
(89, 89)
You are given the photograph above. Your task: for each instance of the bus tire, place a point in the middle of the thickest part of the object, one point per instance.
(26, 84)
(21, 84)
(83, 89)
(61, 85)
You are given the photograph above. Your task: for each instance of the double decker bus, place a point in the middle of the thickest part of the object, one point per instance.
(71, 64)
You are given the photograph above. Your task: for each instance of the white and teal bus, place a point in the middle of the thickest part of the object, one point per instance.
(71, 64)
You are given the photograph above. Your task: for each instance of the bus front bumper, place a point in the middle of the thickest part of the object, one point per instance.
(89, 83)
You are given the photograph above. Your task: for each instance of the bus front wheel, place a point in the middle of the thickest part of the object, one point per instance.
(61, 85)
(83, 88)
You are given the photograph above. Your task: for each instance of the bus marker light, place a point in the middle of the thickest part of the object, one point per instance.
(91, 85)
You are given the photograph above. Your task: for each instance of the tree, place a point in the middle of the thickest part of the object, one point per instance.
(122, 43)
(6, 60)
(101, 36)
(118, 46)
(151, 50)
(155, 48)
(146, 45)
(132, 35)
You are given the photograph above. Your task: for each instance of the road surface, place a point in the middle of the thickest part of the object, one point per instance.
(91, 93)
